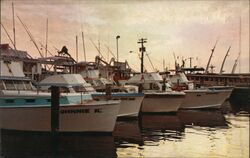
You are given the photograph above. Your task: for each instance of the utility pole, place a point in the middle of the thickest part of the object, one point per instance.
(142, 50)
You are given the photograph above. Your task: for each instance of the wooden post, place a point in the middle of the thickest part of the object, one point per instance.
(108, 91)
(55, 95)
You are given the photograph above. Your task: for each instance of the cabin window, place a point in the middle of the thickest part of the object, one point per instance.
(1, 85)
(48, 100)
(86, 110)
(131, 99)
(29, 100)
(9, 85)
(9, 101)
(98, 111)
(206, 79)
(27, 85)
(19, 85)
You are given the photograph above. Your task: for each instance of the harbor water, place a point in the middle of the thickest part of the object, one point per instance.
(189, 133)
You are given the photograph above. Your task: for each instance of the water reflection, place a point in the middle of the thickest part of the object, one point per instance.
(203, 118)
(161, 127)
(17, 145)
(128, 131)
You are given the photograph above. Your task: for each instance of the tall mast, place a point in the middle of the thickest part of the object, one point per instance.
(222, 65)
(83, 46)
(142, 50)
(208, 63)
(240, 45)
(14, 31)
(46, 45)
(76, 49)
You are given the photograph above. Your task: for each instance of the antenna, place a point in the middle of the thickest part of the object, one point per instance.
(222, 65)
(209, 60)
(46, 44)
(14, 31)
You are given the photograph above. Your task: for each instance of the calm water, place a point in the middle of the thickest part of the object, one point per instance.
(186, 134)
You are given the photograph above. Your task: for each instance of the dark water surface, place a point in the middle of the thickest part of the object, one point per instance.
(186, 134)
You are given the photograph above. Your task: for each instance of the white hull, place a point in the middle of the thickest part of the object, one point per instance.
(130, 105)
(199, 99)
(162, 102)
(72, 118)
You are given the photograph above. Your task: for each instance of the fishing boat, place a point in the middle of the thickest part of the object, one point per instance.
(156, 98)
(212, 97)
(25, 108)
(131, 100)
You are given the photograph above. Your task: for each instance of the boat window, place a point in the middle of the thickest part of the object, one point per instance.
(98, 111)
(1, 85)
(29, 100)
(9, 85)
(9, 101)
(64, 90)
(48, 100)
(19, 85)
(28, 85)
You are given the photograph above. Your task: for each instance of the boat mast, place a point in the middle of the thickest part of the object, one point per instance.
(208, 63)
(14, 31)
(83, 46)
(76, 49)
(222, 65)
(240, 45)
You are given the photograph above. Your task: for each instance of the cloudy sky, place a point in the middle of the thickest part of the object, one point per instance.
(184, 28)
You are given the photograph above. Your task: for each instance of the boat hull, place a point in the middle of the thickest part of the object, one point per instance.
(205, 99)
(162, 102)
(130, 103)
(72, 118)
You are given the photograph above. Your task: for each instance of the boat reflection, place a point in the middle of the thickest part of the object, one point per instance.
(161, 127)
(128, 131)
(203, 118)
(31, 145)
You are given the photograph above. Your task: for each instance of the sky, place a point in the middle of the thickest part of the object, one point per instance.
(183, 28)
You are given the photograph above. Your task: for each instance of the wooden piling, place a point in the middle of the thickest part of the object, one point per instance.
(55, 95)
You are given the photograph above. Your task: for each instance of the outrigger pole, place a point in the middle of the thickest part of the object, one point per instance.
(208, 63)
(222, 65)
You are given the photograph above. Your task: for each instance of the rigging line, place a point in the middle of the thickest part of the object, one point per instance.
(96, 48)
(150, 61)
(45, 47)
(110, 51)
(8, 35)
(30, 35)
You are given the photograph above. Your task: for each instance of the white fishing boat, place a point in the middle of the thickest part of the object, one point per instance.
(156, 99)
(24, 108)
(212, 97)
(131, 100)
